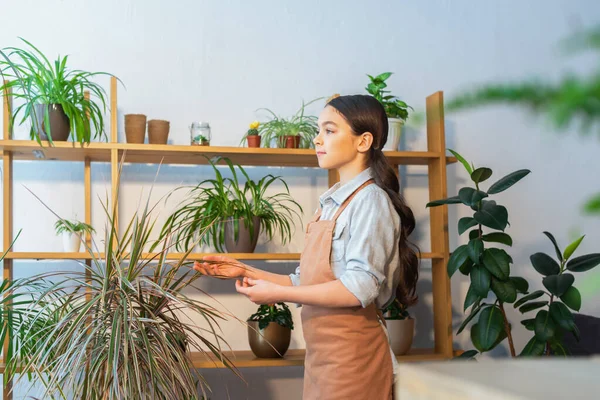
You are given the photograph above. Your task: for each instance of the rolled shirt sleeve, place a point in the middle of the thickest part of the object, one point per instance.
(295, 277)
(372, 237)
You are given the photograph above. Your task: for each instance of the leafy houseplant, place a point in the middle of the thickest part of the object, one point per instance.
(124, 328)
(72, 233)
(489, 270)
(226, 211)
(252, 136)
(200, 140)
(53, 96)
(297, 131)
(395, 109)
(269, 330)
(400, 326)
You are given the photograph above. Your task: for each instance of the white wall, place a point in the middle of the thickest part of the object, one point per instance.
(221, 60)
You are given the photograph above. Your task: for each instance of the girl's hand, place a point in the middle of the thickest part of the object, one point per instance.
(259, 291)
(221, 267)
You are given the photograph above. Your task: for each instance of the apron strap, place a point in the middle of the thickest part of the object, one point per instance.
(349, 199)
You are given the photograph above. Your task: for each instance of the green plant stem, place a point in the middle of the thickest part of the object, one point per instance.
(507, 330)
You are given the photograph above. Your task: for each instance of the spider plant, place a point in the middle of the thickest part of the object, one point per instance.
(300, 124)
(37, 81)
(125, 325)
(64, 225)
(213, 202)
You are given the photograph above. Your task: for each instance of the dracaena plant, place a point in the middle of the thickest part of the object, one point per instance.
(124, 327)
(492, 285)
(554, 319)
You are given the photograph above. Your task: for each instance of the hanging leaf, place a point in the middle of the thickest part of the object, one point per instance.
(534, 305)
(475, 337)
(529, 324)
(497, 262)
(466, 268)
(474, 234)
(471, 197)
(534, 347)
(449, 200)
(468, 319)
(572, 247)
(498, 237)
(480, 280)
(558, 284)
(465, 223)
(481, 174)
(544, 326)
(584, 263)
(559, 349)
(471, 298)
(462, 161)
(458, 258)
(531, 296)
(491, 323)
(521, 284)
(544, 264)
(572, 298)
(509, 180)
(555, 244)
(469, 354)
(493, 216)
(475, 249)
(505, 291)
(562, 316)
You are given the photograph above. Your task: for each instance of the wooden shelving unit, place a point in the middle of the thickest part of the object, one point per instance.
(113, 152)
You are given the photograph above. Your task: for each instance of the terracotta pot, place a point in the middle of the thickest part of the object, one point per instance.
(158, 131)
(135, 128)
(292, 141)
(401, 332)
(253, 141)
(59, 122)
(271, 342)
(243, 244)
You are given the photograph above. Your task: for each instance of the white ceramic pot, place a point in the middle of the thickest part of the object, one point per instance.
(394, 134)
(71, 242)
(401, 332)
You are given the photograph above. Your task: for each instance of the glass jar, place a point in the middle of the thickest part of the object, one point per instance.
(200, 134)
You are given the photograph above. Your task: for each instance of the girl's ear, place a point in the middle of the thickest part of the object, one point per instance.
(365, 142)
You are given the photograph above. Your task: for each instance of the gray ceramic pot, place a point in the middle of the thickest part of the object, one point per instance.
(59, 122)
(243, 244)
(401, 333)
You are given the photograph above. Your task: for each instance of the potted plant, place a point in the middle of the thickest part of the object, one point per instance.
(72, 233)
(233, 214)
(252, 136)
(395, 109)
(120, 332)
(295, 132)
(53, 96)
(270, 330)
(400, 326)
(200, 140)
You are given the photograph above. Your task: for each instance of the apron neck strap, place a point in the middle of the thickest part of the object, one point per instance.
(349, 199)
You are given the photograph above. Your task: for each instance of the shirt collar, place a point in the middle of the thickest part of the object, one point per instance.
(339, 193)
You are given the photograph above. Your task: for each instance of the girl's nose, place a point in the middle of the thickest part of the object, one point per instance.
(317, 139)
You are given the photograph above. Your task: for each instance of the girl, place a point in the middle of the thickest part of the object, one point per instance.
(356, 259)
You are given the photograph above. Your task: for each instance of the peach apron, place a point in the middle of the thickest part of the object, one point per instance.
(347, 351)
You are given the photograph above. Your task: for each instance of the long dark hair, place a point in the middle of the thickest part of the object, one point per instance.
(365, 114)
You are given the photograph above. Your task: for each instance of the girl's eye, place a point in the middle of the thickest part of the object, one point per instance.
(328, 131)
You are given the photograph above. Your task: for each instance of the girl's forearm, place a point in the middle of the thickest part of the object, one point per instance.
(330, 294)
(255, 273)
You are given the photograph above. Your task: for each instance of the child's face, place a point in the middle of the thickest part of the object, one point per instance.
(336, 145)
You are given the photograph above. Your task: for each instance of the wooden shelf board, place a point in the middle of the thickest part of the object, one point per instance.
(187, 154)
(32, 255)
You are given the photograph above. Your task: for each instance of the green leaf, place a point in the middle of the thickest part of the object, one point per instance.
(476, 337)
(475, 249)
(505, 291)
(584, 263)
(457, 259)
(592, 205)
(544, 326)
(529, 324)
(473, 234)
(481, 174)
(497, 262)
(530, 296)
(469, 354)
(558, 348)
(491, 323)
(562, 316)
(534, 347)
(449, 200)
(572, 298)
(572, 247)
(492, 216)
(465, 223)
(544, 264)
(521, 284)
(498, 237)
(480, 280)
(534, 305)
(558, 284)
(556, 248)
(468, 319)
(471, 298)
(509, 180)
(462, 161)
(470, 196)
(466, 268)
